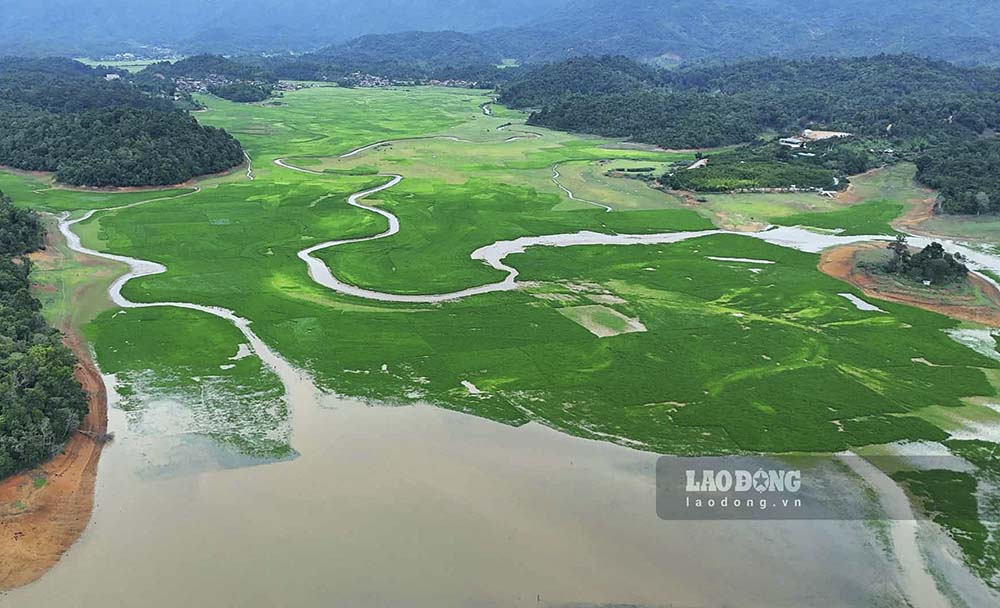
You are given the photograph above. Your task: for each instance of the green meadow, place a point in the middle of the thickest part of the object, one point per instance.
(134, 65)
(735, 356)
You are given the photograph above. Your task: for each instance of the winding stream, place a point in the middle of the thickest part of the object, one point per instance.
(569, 193)
(494, 254)
(426, 507)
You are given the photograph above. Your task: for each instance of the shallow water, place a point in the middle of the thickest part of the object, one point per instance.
(419, 506)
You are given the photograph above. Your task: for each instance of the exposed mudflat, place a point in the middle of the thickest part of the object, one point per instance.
(841, 263)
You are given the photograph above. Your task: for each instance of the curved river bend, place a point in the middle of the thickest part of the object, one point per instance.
(420, 506)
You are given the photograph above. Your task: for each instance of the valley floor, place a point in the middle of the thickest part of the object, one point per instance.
(716, 343)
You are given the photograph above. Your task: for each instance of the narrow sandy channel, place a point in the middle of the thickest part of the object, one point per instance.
(918, 582)
(569, 193)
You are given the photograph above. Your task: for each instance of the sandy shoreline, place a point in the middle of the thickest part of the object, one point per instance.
(34, 538)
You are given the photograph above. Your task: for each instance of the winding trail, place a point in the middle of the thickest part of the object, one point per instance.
(569, 193)
(389, 142)
(494, 254)
(281, 163)
(249, 166)
(296, 383)
(919, 585)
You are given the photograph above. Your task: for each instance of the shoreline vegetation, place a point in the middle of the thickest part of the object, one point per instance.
(43, 405)
(975, 300)
(46, 509)
(45, 503)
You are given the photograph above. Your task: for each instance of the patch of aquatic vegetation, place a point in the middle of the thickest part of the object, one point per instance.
(183, 372)
(253, 419)
(736, 356)
(965, 503)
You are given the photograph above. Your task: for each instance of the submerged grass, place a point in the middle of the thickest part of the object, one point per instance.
(736, 357)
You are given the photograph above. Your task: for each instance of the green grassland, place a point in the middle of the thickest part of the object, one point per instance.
(982, 230)
(72, 289)
(29, 190)
(868, 218)
(735, 357)
(135, 65)
(759, 209)
(590, 180)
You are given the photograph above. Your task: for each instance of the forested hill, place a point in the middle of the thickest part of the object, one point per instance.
(41, 403)
(940, 115)
(682, 30)
(205, 66)
(92, 127)
(899, 97)
(240, 81)
(409, 56)
(236, 27)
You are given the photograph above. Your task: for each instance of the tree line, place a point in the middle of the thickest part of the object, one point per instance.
(41, 403)
(412, 57)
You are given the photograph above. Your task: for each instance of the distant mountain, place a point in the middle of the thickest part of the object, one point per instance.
(238, 26)
(421, 48)
(529, 30)
(962, 30)
(675, 31)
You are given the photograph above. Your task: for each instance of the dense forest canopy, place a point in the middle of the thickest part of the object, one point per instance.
(93, 127)
(204, 66)
(41, 403)
(897, 96)
(246, 79)
(942, 116)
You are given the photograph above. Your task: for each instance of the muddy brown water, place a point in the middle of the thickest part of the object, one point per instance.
(418, 506)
